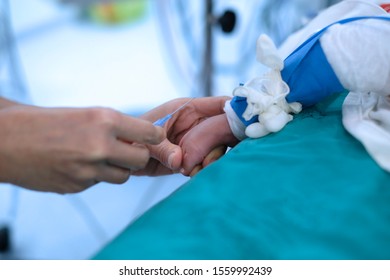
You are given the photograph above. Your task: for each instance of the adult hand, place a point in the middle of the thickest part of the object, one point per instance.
(167, 157)
(67, 150)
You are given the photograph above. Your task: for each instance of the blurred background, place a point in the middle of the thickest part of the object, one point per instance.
(131, 55)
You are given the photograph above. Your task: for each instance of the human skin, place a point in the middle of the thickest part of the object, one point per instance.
(201, 144)
(67, 150)
(186, 157)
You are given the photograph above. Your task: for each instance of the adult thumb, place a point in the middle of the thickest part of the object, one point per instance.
(169, 154)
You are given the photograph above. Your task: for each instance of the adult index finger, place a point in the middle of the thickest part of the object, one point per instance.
(132, 129)
(210, 106)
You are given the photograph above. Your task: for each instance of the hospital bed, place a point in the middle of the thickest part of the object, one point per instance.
(310, 191)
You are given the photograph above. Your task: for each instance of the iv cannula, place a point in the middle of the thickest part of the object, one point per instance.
(163, 120)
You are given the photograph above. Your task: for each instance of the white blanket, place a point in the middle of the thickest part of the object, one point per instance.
(359, 53)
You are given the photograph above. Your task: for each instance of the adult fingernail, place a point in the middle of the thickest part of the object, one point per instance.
(171, 158)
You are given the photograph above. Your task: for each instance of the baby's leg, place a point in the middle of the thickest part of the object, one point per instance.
(201, 140)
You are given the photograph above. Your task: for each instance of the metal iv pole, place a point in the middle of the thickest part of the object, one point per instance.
(227, 22)
(207, 71)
